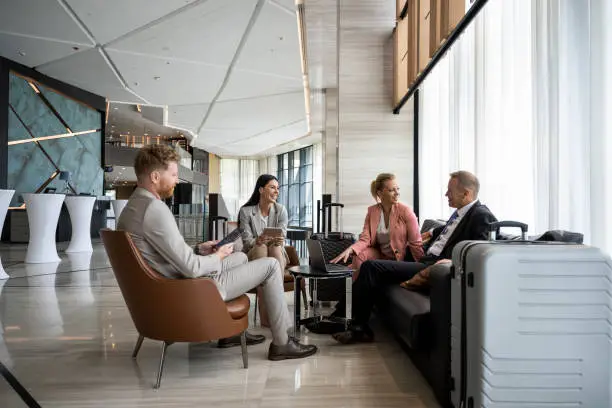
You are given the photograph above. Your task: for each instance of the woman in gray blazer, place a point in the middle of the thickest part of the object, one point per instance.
(259, 212)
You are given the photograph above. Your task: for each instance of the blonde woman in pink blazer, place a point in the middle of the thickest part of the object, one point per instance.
(390, 229)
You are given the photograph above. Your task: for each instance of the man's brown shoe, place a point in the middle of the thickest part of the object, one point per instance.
(291, 350)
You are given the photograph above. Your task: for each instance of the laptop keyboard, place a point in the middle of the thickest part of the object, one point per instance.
(334, 267)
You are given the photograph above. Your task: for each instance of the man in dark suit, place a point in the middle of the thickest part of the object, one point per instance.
(469, 222)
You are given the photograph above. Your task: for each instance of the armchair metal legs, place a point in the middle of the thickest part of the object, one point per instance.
(255, 310)
(305, 298)
(243, 345)
(138, 345)
(161, 364)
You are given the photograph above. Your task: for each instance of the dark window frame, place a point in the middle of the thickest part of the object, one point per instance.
(295, 173)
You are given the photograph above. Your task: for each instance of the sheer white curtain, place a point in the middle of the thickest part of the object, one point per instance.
(229, 178)
(249, 172)
(522, 100)
(238, 179)
(317, 180)
(268, 165)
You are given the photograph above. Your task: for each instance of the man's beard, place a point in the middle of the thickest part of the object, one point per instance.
(166, 193)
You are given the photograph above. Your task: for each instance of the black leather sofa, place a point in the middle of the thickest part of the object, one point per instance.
(421, 321)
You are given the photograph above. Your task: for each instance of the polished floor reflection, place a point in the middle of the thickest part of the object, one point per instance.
(67, 336)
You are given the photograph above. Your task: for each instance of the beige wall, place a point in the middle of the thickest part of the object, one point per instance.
(214, 172)
(371, 138)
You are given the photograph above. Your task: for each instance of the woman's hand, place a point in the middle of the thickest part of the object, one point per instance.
(426, 236)
(262, 240)
(344, 256)
(277, 241)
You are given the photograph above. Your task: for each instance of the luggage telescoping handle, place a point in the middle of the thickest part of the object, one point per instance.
(494, 228)
(339, 205)
(214, 220)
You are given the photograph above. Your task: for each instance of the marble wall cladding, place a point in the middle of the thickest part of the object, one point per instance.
(31, 164)
(371, 138)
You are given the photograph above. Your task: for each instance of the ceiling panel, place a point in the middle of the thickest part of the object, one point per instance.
(187, 116)
(272, 43)
(209, 33)
(173, 53)
(288, 4)
(164, 82)
(125, 15)
(88, 70)
(261, 114)
(257, 145)
(35, 51)
(244, 84)
(46, 19)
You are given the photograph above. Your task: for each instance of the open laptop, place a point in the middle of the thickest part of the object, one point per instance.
(317, 259)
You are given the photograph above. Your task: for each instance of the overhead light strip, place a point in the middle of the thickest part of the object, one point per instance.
(62, 136)
(301, 20)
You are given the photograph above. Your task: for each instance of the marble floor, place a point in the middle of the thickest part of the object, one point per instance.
(67, 337)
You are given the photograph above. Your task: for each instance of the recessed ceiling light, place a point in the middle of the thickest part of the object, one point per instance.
(23, 54)
(115, 108)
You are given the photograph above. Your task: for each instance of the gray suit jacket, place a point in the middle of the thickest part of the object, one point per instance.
(155, 233)
(253, 225)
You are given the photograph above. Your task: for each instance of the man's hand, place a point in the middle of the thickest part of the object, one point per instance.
(225, 250)
(207, 248)
(344, 256)
(443, 261)
(418, 280)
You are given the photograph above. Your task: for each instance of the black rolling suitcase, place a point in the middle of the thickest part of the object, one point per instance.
(332, 243)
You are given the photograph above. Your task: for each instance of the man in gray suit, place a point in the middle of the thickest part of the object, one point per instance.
(154, 231)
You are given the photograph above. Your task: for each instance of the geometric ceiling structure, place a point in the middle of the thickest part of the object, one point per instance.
(227, 72)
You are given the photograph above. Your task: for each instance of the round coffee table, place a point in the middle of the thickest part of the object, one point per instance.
(307, 272)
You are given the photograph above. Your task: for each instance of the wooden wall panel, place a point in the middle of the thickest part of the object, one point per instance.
(424, 18)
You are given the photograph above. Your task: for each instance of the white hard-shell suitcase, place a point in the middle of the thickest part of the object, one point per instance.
(531, 325)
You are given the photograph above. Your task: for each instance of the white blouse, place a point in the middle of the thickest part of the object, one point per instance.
(383, 238)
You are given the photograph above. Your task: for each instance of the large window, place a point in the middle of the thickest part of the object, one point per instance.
(295, 179)
(523, 99)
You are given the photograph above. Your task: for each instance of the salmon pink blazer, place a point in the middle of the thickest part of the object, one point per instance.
(404, 231)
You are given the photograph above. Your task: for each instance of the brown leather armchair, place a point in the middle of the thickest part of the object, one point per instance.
(288, 282)
(172, 310)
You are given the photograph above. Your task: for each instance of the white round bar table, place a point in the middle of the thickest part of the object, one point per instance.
(43, 214)
(80, 209)
(118, 206)
(5, 200)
